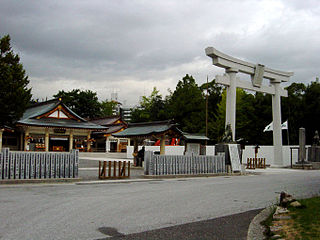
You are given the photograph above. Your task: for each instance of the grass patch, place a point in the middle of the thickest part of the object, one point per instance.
(304, 225)
(307, 219)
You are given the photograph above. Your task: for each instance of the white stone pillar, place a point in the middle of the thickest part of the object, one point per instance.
(231, 101)
(26, 135)
(1, 131)
(46, 140)
(71, 140)
(277, 132)
(107, 144)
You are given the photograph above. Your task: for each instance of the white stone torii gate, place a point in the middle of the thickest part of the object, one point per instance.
(257, 72)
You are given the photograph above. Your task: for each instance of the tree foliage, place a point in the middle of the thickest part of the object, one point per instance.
(311, 118)
(107, 108)
(14, 92)
(151, 108)
(84, 103)
(187, 105)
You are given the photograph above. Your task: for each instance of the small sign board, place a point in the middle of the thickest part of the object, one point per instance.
(234, 157)
(59, 130)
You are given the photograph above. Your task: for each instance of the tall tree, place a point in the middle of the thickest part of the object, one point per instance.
(312, 110)
(251, 112)
(263, 117)
(84, 103)
(187, 106)
(293, 110)
(151, 108)
(214, 92)
(14, 92)
(107, 108)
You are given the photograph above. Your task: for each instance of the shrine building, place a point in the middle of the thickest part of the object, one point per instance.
(52, 126)
(104, 141)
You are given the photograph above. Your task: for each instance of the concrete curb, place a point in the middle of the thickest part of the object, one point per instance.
(48, 180)
(255, 230)
(116, 181)
(190, 175)
(150, 178)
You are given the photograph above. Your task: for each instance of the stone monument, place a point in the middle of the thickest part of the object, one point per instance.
(314, 151)
(302, 145)
(302, 161)
(231, 150)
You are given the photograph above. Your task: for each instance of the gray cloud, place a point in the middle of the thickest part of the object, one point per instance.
(132, 46)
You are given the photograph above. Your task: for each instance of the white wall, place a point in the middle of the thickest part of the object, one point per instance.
(267, 153)
(169, 150)
(210, 150)
(174, 150)
(264, 152)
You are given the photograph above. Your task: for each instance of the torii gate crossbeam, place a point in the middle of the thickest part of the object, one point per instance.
(257, 72)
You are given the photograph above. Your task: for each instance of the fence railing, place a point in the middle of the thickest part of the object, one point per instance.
(253, 163)
(38, 165)
(186, 164)
(114, 169)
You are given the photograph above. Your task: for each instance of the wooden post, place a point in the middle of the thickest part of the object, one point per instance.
(123, 170)
(104, 169)
(119, 170)
(71, 140)
(1, 131)
(162, 144)
(26, 135)
(88, 142)
(114, 169)
(109, 169)
(46, 140)
(99, 171)
(128, 168)
(135, 151)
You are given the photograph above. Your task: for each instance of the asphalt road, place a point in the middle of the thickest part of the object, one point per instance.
(223, 228)
(70, 211)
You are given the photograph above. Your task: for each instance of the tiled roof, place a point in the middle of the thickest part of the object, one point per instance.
(146, 129)
(189, 136)
(31, 114)
(106, 120)
(61, 123)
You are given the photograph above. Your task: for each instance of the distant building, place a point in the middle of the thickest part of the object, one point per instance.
(125, 114)
(117, 108)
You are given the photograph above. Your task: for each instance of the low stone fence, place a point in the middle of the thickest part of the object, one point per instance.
(186, 164)
(38, 165)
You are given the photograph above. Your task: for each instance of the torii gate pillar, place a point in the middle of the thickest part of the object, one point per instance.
(257, 73)
(231, 101)
(277, 131)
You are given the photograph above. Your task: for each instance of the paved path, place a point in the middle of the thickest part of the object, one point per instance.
(70, 211)
(224, 228)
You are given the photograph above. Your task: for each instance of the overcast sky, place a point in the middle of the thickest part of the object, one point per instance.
(131, 46)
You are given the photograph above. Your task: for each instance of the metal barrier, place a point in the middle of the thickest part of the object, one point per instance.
(38, 165)
(253, 163)
(114, 169)
(186, 164)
